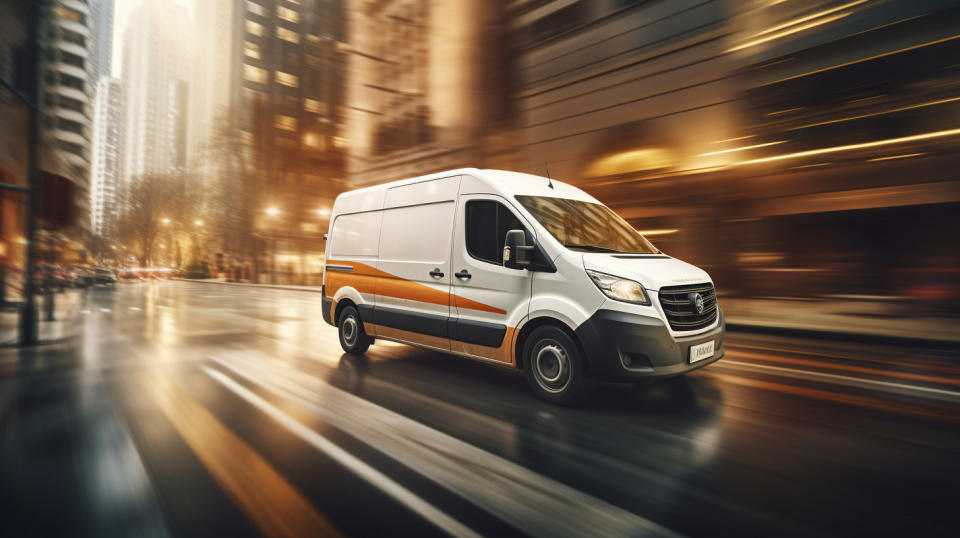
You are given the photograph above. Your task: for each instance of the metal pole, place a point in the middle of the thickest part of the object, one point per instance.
(28, 315)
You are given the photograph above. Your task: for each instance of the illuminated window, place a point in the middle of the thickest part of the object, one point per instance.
(288, 14)
(255, 74)
(339, 142)
(253, 28)
(312, 140)
(254, 8)
(251, 49)
(287, 123)
(313, 38)
(287, 34)
(312, 105)
(286, 79)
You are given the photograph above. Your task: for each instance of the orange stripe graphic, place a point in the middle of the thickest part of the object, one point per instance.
(366, 279)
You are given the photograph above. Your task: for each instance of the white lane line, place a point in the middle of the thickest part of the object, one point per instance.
(845, 380)
(533, 503)
(371, 475)
(105, 310)
(135, 308)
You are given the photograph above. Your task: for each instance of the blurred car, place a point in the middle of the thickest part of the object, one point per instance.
(83, 276)
(130, 274)
(104, 276)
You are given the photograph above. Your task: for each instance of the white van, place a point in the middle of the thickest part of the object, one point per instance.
(516, 270)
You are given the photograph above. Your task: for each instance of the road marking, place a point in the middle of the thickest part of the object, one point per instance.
(273, 504)
(940, 394)
(532, 503)
(135, 308)
(105, 310)
(368, 473)
(84, 312)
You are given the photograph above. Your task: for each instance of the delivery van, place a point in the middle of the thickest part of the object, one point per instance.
(515, 270)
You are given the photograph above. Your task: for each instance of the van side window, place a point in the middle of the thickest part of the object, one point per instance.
(487, 224)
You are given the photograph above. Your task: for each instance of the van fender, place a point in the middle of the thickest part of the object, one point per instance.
(559, 308)
(350, 293)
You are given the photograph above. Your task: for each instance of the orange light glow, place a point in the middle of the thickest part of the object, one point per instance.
(851, 147)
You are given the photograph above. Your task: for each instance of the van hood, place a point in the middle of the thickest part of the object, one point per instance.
(653, 272)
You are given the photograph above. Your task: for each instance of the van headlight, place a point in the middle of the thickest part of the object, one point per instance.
(620, 289)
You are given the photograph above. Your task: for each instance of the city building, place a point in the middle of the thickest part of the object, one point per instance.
(67, 97)
(101, 56)
(13, 141)
(106, 169)
(155, 62)
(425, 86)
(782, 145)
(215, 72)
(288, 96)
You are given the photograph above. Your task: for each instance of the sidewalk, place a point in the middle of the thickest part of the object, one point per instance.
(849, 318)
(66, 306)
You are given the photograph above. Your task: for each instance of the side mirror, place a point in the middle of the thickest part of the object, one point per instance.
(516, 253)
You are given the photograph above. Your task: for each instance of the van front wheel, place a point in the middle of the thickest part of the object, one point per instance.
(554, 367)
(353, 339)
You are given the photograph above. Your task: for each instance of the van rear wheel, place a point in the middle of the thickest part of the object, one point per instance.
(353, 339)
(554, 367)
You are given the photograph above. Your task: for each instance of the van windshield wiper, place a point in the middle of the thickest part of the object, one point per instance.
(596, 248)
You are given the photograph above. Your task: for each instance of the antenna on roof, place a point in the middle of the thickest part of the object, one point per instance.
(549, 183)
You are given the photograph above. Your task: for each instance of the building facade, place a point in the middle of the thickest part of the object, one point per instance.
(67, 90)
(101, 55)
(289, 96)
(155, 64)
(424, 83)
(106, 169)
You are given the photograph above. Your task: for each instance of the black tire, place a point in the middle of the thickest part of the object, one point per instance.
(555, 367)
(353, 339)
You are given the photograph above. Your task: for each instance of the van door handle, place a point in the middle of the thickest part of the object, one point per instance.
(436, 273)
(463, 275)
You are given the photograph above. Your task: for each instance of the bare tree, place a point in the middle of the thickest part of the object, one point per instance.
(154, 203)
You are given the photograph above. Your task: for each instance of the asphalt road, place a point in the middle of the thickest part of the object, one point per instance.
(195, 409)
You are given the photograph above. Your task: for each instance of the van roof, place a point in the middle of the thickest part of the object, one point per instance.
(503, 182)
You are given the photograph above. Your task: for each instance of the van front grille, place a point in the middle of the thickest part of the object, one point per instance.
(680, 306)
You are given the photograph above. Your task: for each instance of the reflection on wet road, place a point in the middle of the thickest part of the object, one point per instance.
(191, 408)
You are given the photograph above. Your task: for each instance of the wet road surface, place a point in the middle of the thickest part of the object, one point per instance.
(192, 408)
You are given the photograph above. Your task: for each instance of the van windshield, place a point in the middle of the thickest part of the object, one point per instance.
(586, 226)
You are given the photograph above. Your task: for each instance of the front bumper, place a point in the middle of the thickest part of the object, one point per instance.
(621, 347)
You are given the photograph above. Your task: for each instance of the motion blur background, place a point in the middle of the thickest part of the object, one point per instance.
(804, 153)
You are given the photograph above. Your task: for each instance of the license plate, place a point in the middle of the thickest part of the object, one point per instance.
(701, 351)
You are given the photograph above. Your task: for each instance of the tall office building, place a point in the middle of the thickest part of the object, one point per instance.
(101, 11)
(154, 59)
(213, 74)
(67, 93)
(286, 95)
(423, 86)
(107, 152)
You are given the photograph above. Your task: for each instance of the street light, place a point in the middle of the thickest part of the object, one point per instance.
(273, 211)
(198, 222)
(323, 212)
(165, 220)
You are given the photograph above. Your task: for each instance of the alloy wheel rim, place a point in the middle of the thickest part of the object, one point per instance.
(551, 366)
(350, 330)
